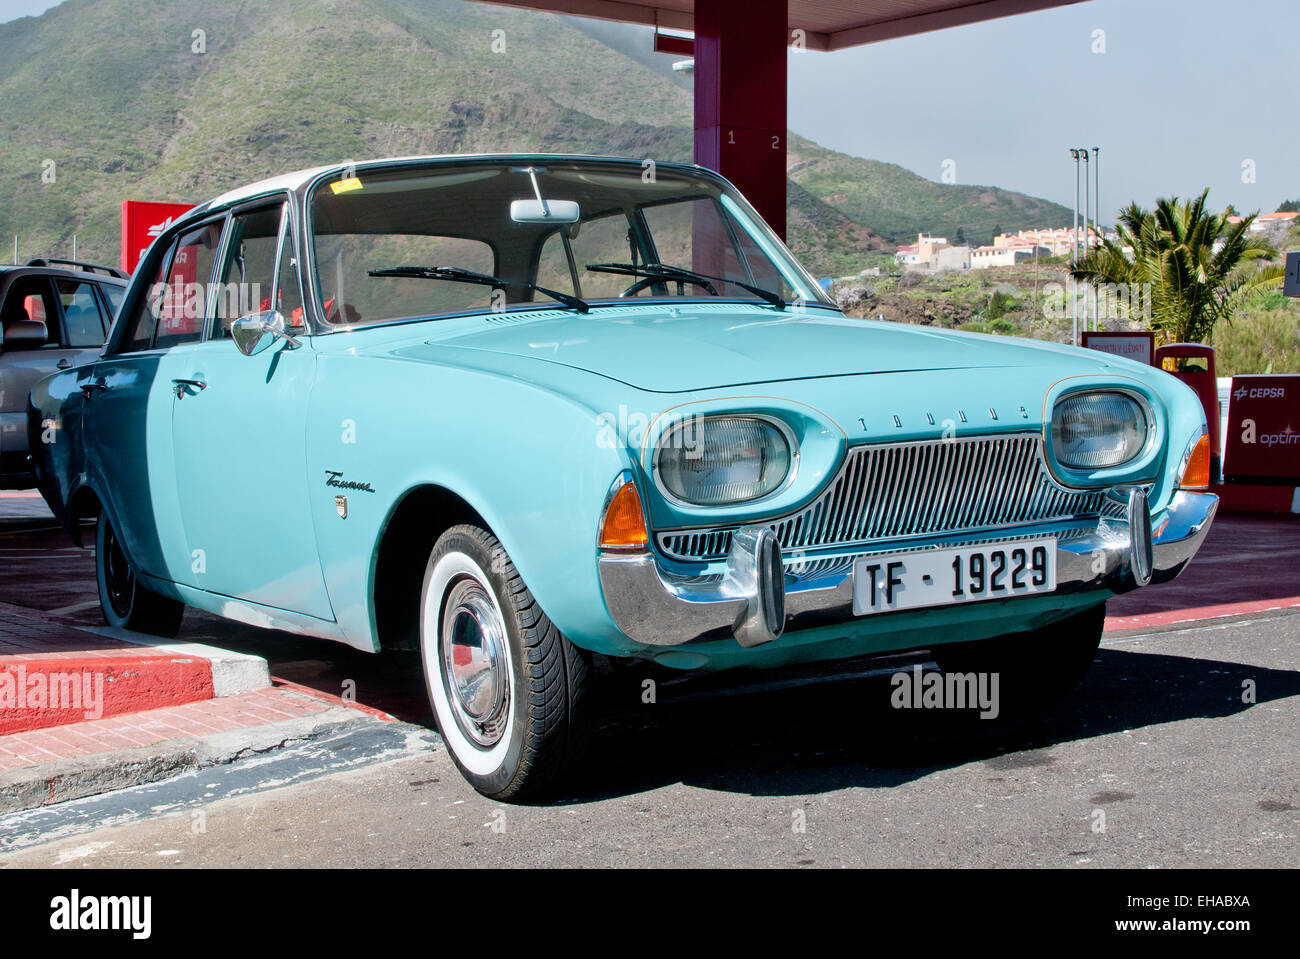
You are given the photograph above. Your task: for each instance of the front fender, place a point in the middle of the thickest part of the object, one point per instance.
(527, 459)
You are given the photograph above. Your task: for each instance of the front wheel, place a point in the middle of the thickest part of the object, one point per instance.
(506, 687)
(125, 602)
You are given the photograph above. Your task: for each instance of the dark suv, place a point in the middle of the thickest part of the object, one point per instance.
(53, 314)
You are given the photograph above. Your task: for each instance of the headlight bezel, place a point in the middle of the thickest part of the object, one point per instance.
(1141, 466)
(660, 446)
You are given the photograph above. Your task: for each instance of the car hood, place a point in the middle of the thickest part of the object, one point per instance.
(684, 349)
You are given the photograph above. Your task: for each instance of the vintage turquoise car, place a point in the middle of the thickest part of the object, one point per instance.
(516, 410)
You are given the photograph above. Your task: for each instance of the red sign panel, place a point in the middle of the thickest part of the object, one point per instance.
(1263, 436)
(1131, 346)
(141, 223)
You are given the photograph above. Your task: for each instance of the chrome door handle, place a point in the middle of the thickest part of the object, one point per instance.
(182, 387)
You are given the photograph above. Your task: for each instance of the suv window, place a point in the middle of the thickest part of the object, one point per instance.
(81, 313)
(114, 295)
(32, 298)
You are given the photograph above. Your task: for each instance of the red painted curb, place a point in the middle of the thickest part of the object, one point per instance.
(1196, 614)
(40, 691)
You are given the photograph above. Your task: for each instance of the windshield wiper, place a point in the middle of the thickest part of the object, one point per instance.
(456, 275)
(682, 275)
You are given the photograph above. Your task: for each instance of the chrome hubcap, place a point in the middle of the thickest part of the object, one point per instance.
(475, 664)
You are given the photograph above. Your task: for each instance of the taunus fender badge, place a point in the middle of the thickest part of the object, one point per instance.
(341, 506)
(335, 478)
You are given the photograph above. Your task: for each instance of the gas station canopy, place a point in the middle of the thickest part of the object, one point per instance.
(827, 24)
(740, 49)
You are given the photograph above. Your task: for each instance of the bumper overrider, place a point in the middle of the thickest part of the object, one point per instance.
(758, 593)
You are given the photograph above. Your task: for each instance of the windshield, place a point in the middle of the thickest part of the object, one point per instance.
(415, 242)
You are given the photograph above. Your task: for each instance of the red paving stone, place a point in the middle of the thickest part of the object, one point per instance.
(1244, 559)
(155, 726)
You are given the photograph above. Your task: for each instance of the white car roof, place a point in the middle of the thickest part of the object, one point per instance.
(300, 178)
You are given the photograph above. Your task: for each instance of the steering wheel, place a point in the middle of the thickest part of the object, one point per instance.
(641, 284)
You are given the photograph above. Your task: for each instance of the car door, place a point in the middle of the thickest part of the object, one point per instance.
(238, 432)
(128, 406)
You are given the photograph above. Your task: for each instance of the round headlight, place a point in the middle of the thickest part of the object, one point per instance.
(721, 460)
(1097, 430)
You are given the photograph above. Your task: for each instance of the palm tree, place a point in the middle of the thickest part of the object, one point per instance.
(1198, 265)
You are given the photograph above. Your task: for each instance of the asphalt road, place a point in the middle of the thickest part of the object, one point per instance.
(1155, 761)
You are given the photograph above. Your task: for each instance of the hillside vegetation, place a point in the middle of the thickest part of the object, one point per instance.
(109, 98)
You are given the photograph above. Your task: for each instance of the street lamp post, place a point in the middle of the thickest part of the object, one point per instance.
(1074, 251)
(1087, 207)
(1096, 208)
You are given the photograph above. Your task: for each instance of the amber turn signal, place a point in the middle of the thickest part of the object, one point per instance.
(1197, 473)
(624, 524)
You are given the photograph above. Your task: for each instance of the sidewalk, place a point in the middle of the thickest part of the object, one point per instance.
(86, 711)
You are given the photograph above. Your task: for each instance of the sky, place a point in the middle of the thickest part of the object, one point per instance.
(1178, 94)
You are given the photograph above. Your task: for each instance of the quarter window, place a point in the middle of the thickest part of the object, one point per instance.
(249, 273)
(145, 320)
(184, 302)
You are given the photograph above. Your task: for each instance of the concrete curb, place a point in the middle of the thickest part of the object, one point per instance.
(232, 673)
(76, 778)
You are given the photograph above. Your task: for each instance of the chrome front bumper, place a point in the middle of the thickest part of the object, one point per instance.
(752, 602)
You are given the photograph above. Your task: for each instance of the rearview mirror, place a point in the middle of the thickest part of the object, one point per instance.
(255, 332)
(547, 211)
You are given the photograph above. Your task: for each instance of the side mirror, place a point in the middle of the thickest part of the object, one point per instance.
(24, 335)
(257, 331)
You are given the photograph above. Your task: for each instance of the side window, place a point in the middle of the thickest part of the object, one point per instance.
(184, 298)
(32, 298)
(140, 334)
(113, 295)
(249, 272)
(81, 316)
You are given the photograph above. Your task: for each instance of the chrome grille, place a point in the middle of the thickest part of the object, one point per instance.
(906, 490)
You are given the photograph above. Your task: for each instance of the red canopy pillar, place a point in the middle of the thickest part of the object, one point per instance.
(740, 95)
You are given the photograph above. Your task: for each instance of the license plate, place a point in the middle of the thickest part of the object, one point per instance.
(945, 577)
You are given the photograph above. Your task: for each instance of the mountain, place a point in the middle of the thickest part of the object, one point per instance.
(105, 100)
(898, 203)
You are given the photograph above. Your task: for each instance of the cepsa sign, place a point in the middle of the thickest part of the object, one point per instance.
(1263, 437)
(142, 222)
